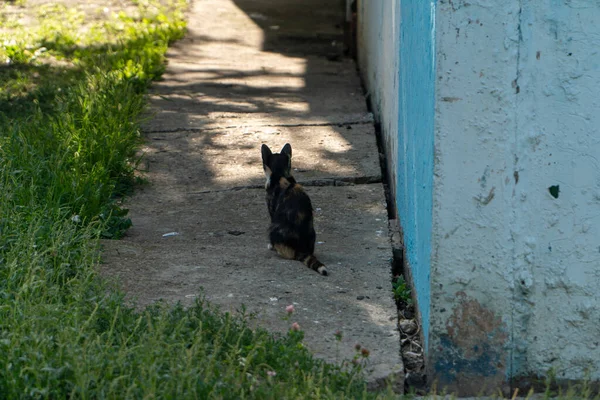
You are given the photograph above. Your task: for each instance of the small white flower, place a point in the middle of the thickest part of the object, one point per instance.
(76, 218)
(40, 51)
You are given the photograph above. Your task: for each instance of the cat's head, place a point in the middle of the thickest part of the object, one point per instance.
(279, 164)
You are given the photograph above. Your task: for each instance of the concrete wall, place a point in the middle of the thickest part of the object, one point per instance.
(514, 267)
(378, 57)
(397, 61)
(473, 259)
(558, 134)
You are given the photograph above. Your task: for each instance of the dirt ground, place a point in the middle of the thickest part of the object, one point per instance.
(247, 73)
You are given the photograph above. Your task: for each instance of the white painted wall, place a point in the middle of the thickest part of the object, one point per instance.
(516, 272)
(477, 52)
(558, 124)
(378, 59)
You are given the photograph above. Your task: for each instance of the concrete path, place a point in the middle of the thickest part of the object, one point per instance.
(252, 72)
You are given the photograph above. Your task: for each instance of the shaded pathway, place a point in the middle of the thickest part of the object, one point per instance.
(247, 73)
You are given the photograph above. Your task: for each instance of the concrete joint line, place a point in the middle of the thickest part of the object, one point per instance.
(192, 130)
(349, 181)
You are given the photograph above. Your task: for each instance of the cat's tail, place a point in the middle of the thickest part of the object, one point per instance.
(308, 259)
(311, 262)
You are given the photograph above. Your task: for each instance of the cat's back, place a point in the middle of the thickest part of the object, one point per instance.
(292, 201)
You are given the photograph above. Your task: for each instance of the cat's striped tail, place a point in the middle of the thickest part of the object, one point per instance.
(311, 262)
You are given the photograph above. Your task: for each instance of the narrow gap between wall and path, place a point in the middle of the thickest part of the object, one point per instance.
(409, 326)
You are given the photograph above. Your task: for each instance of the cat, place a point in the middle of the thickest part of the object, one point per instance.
(291, 232)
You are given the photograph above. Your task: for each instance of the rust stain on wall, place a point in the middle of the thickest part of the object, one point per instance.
(472, 348)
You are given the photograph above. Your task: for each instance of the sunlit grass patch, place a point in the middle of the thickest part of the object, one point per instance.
(61, 45)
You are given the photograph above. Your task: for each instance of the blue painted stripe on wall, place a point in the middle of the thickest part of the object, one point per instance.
(414, 177)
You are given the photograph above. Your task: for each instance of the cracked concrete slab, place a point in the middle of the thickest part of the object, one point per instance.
(234, 83)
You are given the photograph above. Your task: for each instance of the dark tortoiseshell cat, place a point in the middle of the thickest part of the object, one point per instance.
(291, 233)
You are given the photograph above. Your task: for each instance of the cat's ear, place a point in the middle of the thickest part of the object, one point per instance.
(266, 153)
(287, 149)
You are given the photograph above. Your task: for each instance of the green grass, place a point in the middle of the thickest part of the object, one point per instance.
(71, 95)
(401, 290)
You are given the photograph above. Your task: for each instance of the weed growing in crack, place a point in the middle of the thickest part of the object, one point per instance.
(401, 290)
